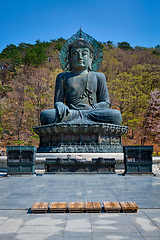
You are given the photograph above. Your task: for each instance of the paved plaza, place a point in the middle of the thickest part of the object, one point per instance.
(18, 193)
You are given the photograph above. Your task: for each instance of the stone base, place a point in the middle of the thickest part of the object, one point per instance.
(84, 138)
(82, 148)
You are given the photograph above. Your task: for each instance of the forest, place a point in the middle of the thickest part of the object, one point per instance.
(27, 83)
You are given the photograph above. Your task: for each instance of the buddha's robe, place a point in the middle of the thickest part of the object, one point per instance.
(87, 98)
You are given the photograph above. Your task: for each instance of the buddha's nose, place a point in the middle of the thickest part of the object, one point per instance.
(80, 55)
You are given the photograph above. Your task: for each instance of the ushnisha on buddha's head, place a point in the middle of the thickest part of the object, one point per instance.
(80, 55)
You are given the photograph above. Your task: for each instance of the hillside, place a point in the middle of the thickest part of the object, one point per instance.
(27, 82)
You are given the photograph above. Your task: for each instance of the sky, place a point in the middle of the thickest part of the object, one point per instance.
(134, 21)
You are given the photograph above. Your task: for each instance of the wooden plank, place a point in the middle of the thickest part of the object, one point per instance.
(97, 206)
(129, 207)
(76, 206)
(58, 207)
(135, 205)
(113, 207)
(93, 206)
(88, 205)
(40, 207)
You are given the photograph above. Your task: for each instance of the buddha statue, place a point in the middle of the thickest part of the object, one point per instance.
(81, 94)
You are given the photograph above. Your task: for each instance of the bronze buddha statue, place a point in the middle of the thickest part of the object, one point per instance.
(81, 94)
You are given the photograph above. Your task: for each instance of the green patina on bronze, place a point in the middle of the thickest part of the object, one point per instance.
(81, 120)
(81, 93)
(96, 51)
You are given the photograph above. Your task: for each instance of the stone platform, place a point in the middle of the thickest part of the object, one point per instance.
(19, 193)
(75, 138)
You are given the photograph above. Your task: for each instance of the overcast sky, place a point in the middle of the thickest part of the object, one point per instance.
(134, 21)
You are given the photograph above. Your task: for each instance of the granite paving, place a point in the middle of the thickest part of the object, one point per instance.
(18, 193)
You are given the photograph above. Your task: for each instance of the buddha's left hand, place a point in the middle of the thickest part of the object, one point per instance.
(81, 106)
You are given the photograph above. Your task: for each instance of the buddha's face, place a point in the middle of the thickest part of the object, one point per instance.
(80, 58)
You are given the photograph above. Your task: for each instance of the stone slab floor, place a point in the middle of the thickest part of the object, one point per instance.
(18, 193)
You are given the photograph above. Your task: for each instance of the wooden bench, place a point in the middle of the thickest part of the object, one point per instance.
(129, 207)
(76, 207)
(60, 207)
(80, 207)
(111, 207)
(40, 207)
(93, 207)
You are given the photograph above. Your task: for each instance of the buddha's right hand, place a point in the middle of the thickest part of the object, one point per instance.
(62, 109)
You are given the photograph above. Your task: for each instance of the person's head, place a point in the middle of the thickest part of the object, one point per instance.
(80, 55)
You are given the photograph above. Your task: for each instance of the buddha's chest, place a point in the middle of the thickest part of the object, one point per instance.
(80, 84)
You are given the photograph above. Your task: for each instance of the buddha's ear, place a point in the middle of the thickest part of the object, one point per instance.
(90, 63)
(69, 64)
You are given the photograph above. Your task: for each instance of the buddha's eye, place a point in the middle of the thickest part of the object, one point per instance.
(75, 53)
(84, 53)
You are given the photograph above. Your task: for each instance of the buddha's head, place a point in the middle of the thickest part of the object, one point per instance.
(80, 55)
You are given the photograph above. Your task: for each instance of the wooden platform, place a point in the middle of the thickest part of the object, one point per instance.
(129, 207)
(112, 207)
(89, 207)
(40, 207)
(76, 207)
(58, 207)
(93, 207)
